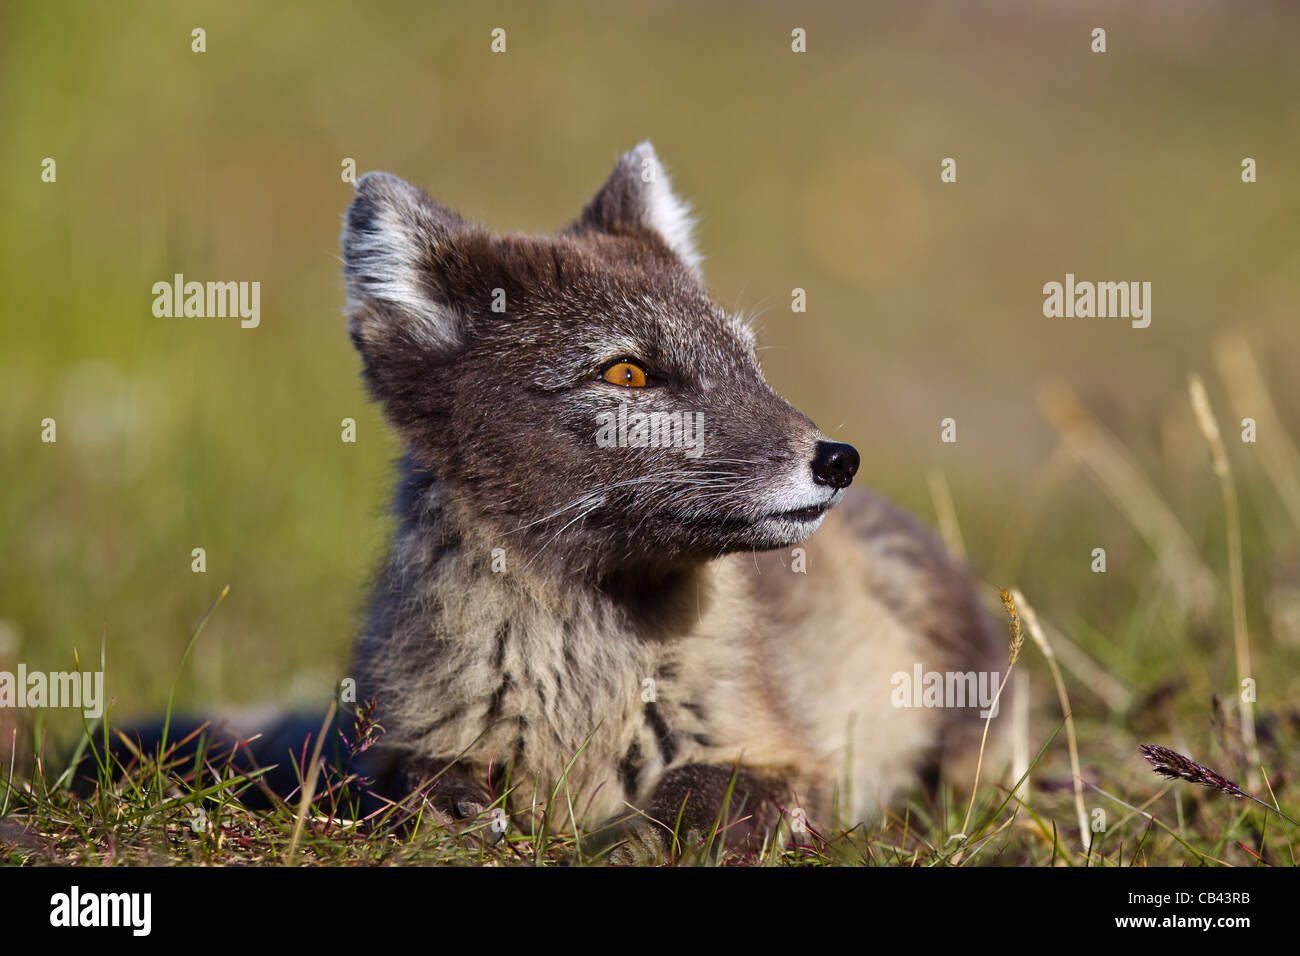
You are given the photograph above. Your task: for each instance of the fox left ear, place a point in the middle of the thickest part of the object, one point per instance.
(638, 197)
(398, 249)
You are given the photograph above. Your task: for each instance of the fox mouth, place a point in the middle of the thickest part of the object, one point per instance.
(809, 513)
(804, 515)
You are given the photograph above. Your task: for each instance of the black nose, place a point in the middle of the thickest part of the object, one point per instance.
(835, 464)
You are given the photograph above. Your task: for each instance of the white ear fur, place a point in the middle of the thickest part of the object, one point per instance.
(389, 236)
(664, 211)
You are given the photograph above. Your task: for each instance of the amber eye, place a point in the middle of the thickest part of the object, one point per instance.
(626, 374)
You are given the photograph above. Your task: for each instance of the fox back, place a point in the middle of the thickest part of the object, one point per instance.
(592, 583)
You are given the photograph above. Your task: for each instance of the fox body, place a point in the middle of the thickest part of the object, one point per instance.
(623, 619)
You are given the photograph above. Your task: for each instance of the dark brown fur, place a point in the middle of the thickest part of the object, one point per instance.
(625, 565)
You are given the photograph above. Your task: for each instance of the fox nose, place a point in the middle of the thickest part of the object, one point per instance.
(834, 464)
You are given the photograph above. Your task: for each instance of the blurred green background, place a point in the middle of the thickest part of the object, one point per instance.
(818, 171)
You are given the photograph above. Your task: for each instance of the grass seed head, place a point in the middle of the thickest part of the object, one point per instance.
(1017, 635)
(1175, 766)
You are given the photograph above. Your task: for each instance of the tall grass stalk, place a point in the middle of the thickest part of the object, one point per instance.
(1241, 638)
(1072, 742)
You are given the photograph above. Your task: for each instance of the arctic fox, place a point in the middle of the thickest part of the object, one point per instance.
(647, 623)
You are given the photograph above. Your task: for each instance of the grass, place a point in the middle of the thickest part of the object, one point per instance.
(195, 818)
(923, 303)
(154, 808)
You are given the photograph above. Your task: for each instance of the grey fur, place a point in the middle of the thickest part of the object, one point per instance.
(625, 564)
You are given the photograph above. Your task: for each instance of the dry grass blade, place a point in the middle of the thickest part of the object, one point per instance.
(1250, 399)
(1088, 672)
(1013, 655)
(1036, 632)
(1241, 638)
(1109, 689)
(946, 512)
(1123, 482)
(1020, 734)
(309, 783)
(1161, 824)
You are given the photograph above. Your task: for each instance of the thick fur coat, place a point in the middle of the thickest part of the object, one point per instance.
(640, 630)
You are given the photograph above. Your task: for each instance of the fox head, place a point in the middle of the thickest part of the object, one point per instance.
(579, 395)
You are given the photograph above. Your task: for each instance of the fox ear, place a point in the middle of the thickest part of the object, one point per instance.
(638, 197)
(397, 243)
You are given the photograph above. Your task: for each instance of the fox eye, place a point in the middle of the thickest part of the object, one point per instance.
(627, 374)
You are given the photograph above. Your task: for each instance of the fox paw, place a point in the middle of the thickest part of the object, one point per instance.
(644, 843)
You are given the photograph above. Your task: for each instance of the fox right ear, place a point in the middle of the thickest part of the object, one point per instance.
(638, 198)
(396, 246)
